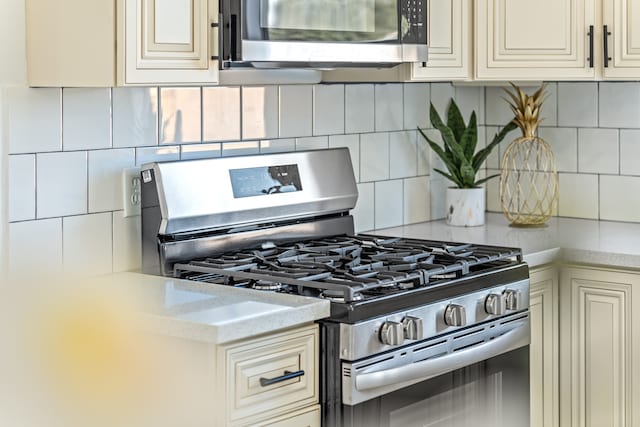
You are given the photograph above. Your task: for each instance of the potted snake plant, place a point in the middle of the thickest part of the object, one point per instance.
(465, 202)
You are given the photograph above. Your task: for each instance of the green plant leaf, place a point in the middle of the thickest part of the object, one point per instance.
(455, 122)
(482, 155)
(483, 180)
(446, 157)
(468, 175)
(450, 177)
(469, 139)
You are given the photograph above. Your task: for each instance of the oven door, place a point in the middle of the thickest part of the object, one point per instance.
(474, 376)
(328, 33)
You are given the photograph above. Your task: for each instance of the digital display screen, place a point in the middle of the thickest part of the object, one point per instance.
(265, 180)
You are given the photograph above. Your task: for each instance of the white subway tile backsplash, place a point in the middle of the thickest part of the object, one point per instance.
(180, 114)
(577, 104)
(259, 112)
(34, 119)
(403, 158)
(312, 143)
(417, 200)
(220, 113)
(364, 212)
(578, 195)
(564, 144)
(200, 151)
(88, 244)
(86, 118)
(598, 151)
(240, 148)
(352, 142)
(470, 99)
(157, 154)
(359, 108)
(494, 159)
(135, 116)
(438, 188)
(493, 192)
(441, 94)
(127, 253)
(629, 152)
(619, 198)
(619, 105)
(48, 235)
(374, 157)
(416, 105)
(105, 178)
(549, 111)
(328, 109)
(22, 187)
(388, 203)
(278, 145)
(296, 110)
(388, 107)
(61, 182)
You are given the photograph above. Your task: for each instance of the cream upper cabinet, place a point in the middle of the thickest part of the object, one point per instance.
(450, 42)
(121, 42)
(622, 18)
(535, 40)
(544, 359)
(599, 347)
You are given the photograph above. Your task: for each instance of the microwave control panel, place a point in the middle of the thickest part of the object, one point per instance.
(413, 21)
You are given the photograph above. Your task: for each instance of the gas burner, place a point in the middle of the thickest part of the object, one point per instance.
(338, 296)
(267, 286)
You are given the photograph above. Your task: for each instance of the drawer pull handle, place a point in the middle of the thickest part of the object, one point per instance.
(287, 376)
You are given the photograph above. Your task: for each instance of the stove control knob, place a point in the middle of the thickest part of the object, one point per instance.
(495, 304)
(412, 328)
(392, 333)
(512, 298)
(455, 315)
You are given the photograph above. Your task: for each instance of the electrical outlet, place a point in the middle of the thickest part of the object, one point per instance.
(131, 191)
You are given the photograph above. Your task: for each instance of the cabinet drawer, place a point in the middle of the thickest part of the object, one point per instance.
(257, 383)
(309, 417)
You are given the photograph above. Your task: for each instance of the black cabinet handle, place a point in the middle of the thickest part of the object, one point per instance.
(605, 37)
(590, 34)
(287, 376)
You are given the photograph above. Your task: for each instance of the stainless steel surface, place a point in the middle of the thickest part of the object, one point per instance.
(361, 339)
(328, 55)
(413, 329)
(495, 304)
(382, 374)
(198, 195)
(455, 315)
(513, 299)
(392, 333)
(186, 250)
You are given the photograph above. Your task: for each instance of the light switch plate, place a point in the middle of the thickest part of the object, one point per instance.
(131, 191)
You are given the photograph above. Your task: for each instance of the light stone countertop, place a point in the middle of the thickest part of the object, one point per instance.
(605, 243)
(213, 313)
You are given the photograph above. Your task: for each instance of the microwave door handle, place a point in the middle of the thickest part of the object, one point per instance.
(515, 338)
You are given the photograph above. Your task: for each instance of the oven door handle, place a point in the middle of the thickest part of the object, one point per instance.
(515, 338)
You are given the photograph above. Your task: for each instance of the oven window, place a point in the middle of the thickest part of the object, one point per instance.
(322, 20)
(490, 393)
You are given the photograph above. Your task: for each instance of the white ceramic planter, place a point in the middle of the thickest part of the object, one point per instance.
(465, 206)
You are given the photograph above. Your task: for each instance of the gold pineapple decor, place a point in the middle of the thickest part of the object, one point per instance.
(528, 179)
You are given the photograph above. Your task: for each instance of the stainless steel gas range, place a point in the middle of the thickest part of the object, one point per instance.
(421, 333)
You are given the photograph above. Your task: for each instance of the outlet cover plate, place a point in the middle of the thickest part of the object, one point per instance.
(131, 191)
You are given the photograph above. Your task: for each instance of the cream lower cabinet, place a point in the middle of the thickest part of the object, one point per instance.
(544, 346)
(599, 347)
(121, 42)
(254, 388)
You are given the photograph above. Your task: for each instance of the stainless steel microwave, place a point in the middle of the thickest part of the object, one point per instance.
(322, 33)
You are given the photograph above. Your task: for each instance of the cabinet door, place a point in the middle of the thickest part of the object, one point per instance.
(623, 20)
(534, 40)
(449, 42)
(598, 385)
(544, 347)
(167, 41)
